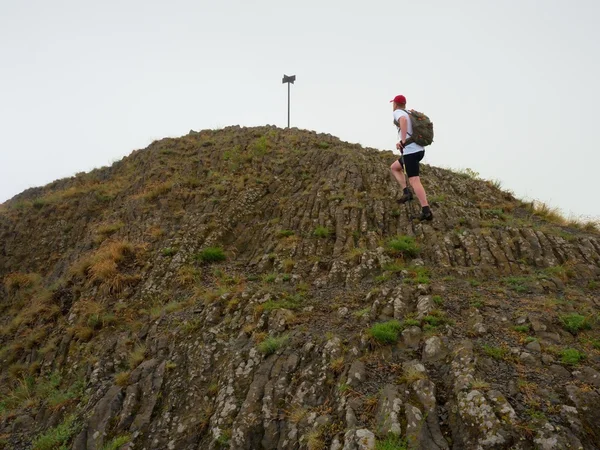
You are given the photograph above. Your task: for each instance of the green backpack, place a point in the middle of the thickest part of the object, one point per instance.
(422, 129)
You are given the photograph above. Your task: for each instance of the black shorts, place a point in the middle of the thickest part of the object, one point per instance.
(412, 163)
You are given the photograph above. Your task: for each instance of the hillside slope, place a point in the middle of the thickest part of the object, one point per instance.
(254, 288)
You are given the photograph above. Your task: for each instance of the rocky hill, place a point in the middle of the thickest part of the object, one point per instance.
(259, 288)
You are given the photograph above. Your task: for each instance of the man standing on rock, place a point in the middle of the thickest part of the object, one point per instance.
(412, 154)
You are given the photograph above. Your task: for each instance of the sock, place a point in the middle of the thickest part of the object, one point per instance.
(406, 191)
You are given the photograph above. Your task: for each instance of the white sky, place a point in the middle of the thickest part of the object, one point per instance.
(512, 87)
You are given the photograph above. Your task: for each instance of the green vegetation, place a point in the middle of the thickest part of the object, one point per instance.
(169, 251)
(403, 246)
(391, 442)
(288, 302)
(322, 232)
(211, 255)
(285, 233)
(522, 328)
(518, 284)
(271, 344)
(117, 443)
(495, 352)
(571, 356)
(137, 356)
(437, 299)
(575, 322)
(417, 275)
(57, 437)
(386, 332)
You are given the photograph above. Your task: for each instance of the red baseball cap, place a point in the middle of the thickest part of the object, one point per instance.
(400, 99)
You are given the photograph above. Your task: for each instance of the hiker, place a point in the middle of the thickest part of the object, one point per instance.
(411, 155)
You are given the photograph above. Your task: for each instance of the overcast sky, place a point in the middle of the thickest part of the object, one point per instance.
(512, 87)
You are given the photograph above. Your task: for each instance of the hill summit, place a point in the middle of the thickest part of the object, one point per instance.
(260, 288)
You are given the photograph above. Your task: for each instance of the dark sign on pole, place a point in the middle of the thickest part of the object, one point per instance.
(289, 80)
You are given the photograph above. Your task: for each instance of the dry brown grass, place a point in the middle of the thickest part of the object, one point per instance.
(337, 365)
(104, 266)
(16, 281)
(155, 232)
(547, 212)
(122, 378)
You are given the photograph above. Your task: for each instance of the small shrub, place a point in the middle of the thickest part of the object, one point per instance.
(411, 323)
(437, 299)
(211, 254)
(57, 437)
(323, 145)
(137, 356)
(403, 245)
(169, 251)
(117, 443)
(291, 302)
(322, 232)
(272, 344)
(495, 352)
(269, 278)
(522, 328)
(417, 275)
(575, 322)
(386, 332)
(571, 356)
(122, 378)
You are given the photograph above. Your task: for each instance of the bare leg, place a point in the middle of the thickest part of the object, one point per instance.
(398, 173)
(415, 182)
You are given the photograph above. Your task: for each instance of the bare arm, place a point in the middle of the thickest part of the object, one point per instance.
(403, 129)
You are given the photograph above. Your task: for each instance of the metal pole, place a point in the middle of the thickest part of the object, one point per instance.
(288, 104)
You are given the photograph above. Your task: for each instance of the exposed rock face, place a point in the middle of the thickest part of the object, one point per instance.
(260, 289)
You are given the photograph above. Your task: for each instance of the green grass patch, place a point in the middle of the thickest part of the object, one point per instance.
(291, 302)
(285, 233)
(518, 284)
(417, 275)
(575, 322)
(571, 356)
(57, 437)
(403, 246)
(386, 332)
(117, 443)
(522, 328)
(499, 353)
(211, 255)
(391, 442)
(271, 344)
(437, 299)
(322, 232)
(169, 251)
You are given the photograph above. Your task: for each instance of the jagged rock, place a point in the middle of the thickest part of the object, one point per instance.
(559, 371)
(548, 359)
(106, 408)
(587, 407)
(528, 359)
(475, 323)
(549, 438)
(361, 439)
(434, 350)
(279, 319)
(356, 374)
(502, 408)
(411, 336)
(534, 346)
(390, 406)
(588, 375)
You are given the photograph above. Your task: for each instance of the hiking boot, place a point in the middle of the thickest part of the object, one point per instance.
(426, 214)
(406, 197)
